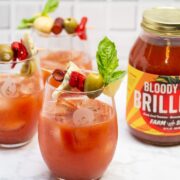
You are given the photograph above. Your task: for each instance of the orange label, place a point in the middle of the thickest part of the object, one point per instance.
(153, 103)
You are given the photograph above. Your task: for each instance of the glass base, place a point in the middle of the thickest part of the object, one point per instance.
(13, 146)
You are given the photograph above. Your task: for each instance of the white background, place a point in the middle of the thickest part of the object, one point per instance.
(119, 19)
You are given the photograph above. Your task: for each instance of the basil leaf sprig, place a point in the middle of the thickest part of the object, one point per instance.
(108, 62)
(27, 23)
(50, 6)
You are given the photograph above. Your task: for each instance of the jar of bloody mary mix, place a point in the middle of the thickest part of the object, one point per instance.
(153, 101)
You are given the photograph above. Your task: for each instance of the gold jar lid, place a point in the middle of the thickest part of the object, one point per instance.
(164, 21)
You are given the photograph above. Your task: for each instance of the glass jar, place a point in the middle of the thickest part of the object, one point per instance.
(21, 91)
(57, 50)
(77, 133)
(153, 100)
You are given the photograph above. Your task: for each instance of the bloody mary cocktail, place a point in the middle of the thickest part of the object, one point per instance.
(60, 39)
(21, 91)
(50, 60)
(78, 126)
(19, 111)
(77, 136)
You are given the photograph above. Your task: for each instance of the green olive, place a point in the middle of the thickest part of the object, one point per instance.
(93, 82)
(6, 53)
(28, 68)
(70, 25)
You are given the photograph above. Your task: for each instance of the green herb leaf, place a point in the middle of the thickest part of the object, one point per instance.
(107, 61)
(50, 6)
(27, 23)
(117, 75)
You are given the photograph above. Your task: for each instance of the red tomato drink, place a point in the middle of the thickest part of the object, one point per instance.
(78, 127)
(21, 91)
(19, 114)
(60, 59)
(78, 151)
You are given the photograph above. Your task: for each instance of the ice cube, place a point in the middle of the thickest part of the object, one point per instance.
(91, 104)
(9, 88)
(101, 110)
(55, 132)
(27, 88)
(64, 109)
(49, 107)
(81, 135)
(4, 104)
(71, 100)
(83, 116)
(11, 125)
(29, 85)
(60, 118)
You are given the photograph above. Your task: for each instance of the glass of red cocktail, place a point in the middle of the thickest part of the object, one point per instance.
(59, 39)
(20, 93)
(77, 132)
(78, 127)
(58, 50)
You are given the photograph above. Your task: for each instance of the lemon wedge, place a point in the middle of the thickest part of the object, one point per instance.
(111, 89)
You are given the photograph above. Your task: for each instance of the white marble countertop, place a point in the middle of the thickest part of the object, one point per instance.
(133, 160)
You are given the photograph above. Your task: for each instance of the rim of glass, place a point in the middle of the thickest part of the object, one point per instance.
(74, 92)
(54, 35)
(19, 61)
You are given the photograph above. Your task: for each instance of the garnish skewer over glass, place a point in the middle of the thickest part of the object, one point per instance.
(60, 40)
(21, 89)
(78, 127)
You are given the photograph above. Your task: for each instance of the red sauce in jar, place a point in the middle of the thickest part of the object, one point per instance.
(153, 110)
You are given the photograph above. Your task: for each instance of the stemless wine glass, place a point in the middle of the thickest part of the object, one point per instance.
(20, 101)
(57, 50)
(77, 133)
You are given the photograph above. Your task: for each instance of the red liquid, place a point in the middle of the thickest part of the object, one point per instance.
(19, 114)
(157, 56)
(78, 152)
(60, 59)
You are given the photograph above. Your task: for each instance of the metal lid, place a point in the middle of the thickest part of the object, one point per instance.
(162, 20)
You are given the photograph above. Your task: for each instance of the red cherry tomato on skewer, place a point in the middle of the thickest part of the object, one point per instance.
(81, 29)
(20, 52)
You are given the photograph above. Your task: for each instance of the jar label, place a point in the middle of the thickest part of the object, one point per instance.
(153, 103)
